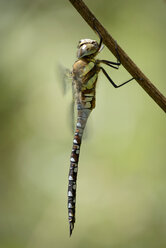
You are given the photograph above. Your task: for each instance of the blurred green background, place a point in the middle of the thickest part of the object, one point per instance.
(121, 193)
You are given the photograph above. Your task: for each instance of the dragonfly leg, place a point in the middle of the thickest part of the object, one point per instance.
(110, 63)
(112, 82)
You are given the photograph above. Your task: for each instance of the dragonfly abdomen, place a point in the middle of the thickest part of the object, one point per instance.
(81, 123)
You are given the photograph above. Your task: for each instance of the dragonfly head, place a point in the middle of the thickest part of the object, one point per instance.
(87, 47)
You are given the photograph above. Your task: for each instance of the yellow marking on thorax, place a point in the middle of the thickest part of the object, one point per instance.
(82, 72)
(90, 84)
(87, 68)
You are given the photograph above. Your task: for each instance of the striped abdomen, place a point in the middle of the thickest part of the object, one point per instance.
(85, 77)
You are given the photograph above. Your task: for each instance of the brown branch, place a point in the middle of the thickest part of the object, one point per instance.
(129, 65)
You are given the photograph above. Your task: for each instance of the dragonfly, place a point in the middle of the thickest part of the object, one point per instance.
(84, 78)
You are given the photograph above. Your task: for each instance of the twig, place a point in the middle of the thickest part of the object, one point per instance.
(129, 65)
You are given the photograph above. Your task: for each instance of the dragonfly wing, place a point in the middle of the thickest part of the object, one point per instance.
(73, 108)
(72, 116)
(65, 78)
(67, 84)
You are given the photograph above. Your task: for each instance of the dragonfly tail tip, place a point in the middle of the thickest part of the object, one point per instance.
(71, 228)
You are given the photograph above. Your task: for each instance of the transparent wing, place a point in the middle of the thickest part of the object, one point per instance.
(65, 79)
(72, 116)
(72, 109)
(67, 84)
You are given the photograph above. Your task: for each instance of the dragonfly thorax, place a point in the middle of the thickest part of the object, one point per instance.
(87, 47)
